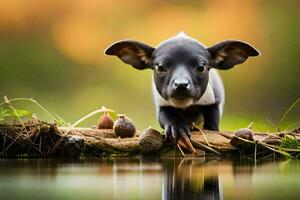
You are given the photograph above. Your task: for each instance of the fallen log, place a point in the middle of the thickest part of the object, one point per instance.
(44, 139)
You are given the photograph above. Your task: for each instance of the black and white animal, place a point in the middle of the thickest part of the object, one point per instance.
(186, 85)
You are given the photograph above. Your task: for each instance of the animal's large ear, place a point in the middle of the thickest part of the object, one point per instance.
(228, 53)
(132, 52)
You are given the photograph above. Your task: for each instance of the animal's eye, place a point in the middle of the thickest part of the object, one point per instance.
(201, 67)
(160, 68)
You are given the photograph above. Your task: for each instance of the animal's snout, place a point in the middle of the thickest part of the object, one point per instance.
(181, 84)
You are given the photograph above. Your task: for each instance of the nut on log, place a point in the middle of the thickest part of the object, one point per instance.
(150, 141)
(245, 133)
(124, 127)
(105, 121)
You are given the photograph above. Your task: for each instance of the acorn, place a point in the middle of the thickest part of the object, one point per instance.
(245, 133)
(150, 141)
(124, 127)
(105, 121)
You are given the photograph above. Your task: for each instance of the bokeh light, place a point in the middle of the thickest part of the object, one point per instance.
(53, 51)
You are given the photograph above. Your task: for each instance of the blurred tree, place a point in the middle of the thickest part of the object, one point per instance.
(53, 51)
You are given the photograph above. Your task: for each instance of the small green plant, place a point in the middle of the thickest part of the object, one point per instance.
(290, 143)
(287, 112)
(4, 113)
(9, 113)
(7, 110)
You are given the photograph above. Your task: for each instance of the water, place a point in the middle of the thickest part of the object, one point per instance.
(151, 178)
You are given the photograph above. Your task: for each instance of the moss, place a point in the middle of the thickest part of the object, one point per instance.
(290, 143)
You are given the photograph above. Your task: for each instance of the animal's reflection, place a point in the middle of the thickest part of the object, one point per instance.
(180, 178)
(187, 179)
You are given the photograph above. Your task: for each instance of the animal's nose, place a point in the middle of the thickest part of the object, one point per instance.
(181, 84)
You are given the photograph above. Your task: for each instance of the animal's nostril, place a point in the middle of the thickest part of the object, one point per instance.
(181, 84)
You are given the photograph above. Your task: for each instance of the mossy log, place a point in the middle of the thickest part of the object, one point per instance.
(41, 139)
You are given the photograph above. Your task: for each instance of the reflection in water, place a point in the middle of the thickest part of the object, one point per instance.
(185, 179)
(147, 178)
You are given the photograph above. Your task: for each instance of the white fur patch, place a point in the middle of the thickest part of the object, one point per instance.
(206, 99)
(213, 93)
(218, 88)
(208, 96)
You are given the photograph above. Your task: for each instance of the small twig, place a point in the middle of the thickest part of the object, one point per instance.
(281, 148)
(181, 151)
(280, 152)
(243, 139)
(186, 143)
(205, 147)
(87, 116)
(250, 125)
(287, 112)
(205, 138)
(90, 115)
(271, 147)
(7, 101)
(33, 101)
(55, 146)
(11, 143)
(16, 113)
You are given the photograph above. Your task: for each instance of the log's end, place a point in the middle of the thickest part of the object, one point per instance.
(150, 141)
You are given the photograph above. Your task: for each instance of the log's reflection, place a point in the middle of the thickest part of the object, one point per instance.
(186, 179)
(143, 178)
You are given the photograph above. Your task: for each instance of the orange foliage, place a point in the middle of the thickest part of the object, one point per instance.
(82, 29)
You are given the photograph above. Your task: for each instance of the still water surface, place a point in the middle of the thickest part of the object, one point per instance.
(148, 178)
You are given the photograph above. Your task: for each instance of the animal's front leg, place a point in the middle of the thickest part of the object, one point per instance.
(211, 115)
(173, 124)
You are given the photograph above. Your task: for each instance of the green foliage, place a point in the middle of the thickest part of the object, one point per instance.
(9, 113)
(19, 113)
(113, 114)
(4, 113)
(290, 143)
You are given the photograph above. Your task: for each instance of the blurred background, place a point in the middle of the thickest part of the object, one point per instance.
(52, 51)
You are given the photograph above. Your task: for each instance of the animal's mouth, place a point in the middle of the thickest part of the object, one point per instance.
(181, 103)
(181, 99)
(181, 95)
